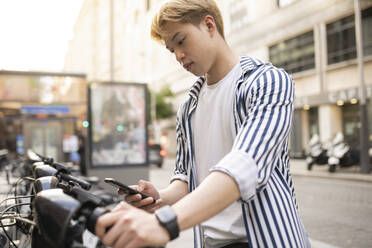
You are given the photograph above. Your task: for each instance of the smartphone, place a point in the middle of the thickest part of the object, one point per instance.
(128, 190)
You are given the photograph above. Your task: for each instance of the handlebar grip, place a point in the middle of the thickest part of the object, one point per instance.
(61, 167)
(46, 160)
(84, 184)
(92, 220)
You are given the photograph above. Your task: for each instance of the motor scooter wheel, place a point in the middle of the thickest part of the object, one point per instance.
(332, 168)
(309, 162)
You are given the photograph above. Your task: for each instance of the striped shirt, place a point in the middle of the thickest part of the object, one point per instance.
(258, 161)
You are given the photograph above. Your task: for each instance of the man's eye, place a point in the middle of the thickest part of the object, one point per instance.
(181, 41)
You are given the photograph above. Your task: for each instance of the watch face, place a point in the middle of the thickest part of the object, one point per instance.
(166, 214)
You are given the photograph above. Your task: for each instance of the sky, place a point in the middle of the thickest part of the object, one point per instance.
(34, 34)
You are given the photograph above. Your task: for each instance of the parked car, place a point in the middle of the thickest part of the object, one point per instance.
(156, 154)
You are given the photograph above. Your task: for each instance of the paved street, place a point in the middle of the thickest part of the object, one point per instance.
(336, 213)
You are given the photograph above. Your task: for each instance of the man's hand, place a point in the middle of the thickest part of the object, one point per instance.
(147, 204)
(130, 227)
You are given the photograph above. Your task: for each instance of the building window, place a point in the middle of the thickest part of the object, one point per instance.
(369, 120)
(341, 37)
(341, 40)
(367, 31)
(294, 55)
(351, 124)
(238, 14)
(313, 121)
(296, 148)
(283, 3)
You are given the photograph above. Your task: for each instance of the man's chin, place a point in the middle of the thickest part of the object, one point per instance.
(198, 74)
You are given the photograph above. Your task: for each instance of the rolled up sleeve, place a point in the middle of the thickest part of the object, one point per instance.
(180, 171)
(238, 165)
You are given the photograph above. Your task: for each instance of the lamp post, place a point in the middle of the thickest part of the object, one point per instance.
(112, 42)
(364, 142)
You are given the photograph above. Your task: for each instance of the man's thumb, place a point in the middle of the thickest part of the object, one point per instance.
(141, 185)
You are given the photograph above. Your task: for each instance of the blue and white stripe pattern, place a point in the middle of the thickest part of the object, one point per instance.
(258, 161)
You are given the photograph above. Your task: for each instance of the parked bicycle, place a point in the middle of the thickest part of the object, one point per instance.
(21, 221)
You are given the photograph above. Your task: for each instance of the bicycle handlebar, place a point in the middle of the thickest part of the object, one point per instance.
(62, 208)
(47, 170)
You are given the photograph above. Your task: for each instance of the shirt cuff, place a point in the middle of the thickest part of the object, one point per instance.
(181, 177)
(242, 168)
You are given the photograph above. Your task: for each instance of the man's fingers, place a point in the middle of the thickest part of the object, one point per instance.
(134, 243)
(144, 202)
(105, 221)
(119, 229)
(121, 192)
(133, 198)
(121, 206)
(124, 240)
(152, 207)
(148, 201)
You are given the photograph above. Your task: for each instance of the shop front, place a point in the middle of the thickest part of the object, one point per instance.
(42, 111)
(326, 115)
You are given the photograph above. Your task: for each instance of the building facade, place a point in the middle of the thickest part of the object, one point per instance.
(315, 42)
(312, 40)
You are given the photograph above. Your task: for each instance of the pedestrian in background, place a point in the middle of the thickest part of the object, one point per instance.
(231, 180)
(81, 151)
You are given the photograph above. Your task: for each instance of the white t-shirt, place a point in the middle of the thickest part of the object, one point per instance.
(213, 135)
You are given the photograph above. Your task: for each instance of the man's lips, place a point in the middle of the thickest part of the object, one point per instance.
(187, 66)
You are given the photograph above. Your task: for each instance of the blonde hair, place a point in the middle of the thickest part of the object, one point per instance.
(185, 11)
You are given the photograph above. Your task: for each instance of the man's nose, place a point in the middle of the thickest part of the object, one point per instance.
(179, 55)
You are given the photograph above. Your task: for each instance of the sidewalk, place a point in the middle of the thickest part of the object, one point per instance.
(298, 167)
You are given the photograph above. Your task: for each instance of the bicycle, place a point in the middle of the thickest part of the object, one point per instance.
(20, 230)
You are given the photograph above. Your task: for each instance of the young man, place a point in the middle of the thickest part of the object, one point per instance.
(232, 181)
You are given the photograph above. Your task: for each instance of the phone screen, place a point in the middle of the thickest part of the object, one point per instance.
(128, 190)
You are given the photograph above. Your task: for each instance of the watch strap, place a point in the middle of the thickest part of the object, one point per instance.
(168, 219)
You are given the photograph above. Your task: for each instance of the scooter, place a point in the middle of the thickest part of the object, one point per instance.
(341, 154)
(316, 154)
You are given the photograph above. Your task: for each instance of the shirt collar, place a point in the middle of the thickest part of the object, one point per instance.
(247, 64)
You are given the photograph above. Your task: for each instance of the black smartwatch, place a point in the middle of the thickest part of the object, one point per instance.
(168, 219)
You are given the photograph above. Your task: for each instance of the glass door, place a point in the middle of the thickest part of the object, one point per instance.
(295, 139)
(45, 138)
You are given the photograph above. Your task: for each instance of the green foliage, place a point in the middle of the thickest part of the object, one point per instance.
(164, 106)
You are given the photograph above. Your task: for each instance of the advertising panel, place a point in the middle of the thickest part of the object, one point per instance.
(117, 124)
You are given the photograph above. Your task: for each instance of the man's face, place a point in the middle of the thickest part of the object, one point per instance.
(192, 46)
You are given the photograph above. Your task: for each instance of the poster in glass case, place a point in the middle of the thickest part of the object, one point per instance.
(118, 125)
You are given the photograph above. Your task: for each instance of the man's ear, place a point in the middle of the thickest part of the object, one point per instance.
(210, 24)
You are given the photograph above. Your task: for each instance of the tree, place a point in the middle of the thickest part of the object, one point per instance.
(163, 103)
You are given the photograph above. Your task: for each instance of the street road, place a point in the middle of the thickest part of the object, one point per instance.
(336, 212)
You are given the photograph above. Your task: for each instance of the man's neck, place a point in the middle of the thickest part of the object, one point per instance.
(224, 62)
